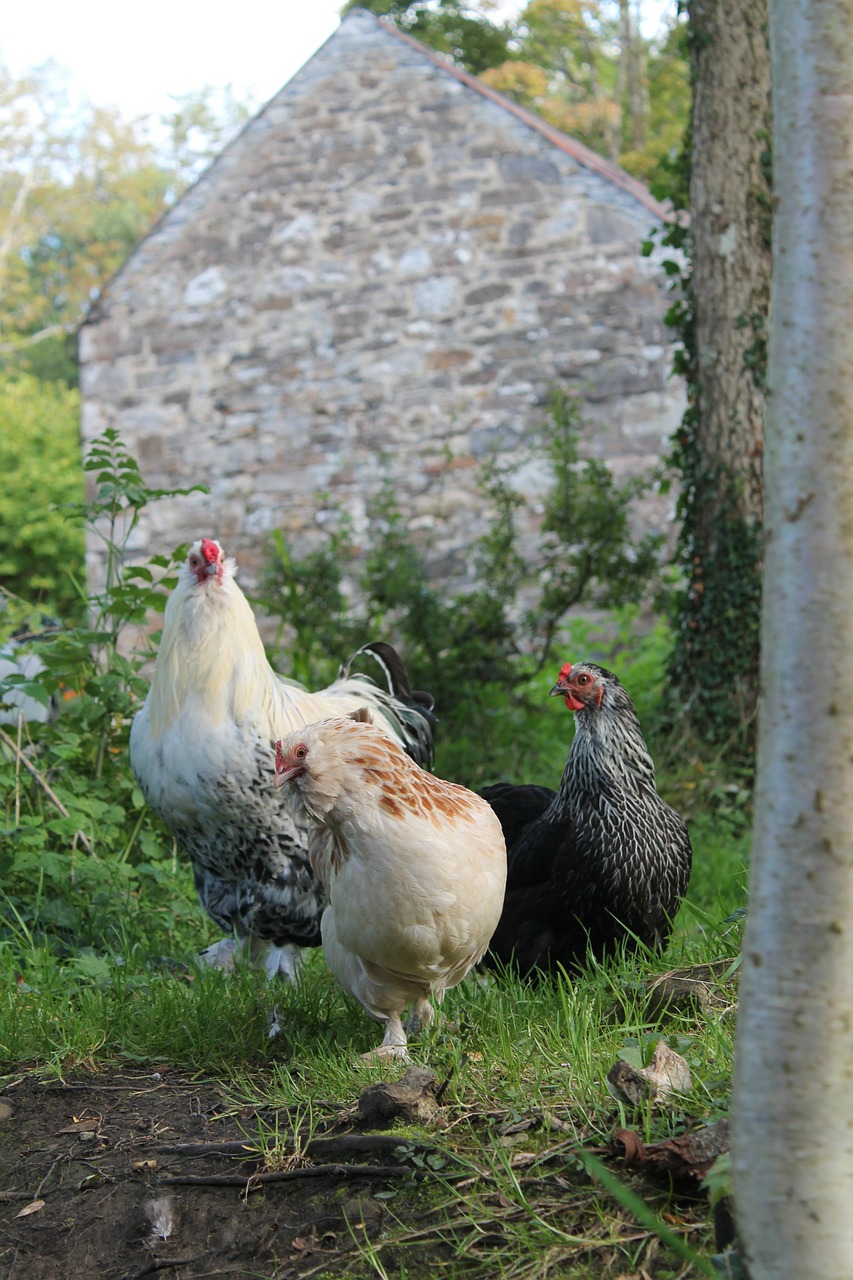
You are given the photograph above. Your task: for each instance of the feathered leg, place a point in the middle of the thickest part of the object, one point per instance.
(276, 962)
(223, 954)
(421, 1016)
(393, 1042)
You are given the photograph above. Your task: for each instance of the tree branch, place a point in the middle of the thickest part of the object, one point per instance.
(31, 339)
(377, 1171)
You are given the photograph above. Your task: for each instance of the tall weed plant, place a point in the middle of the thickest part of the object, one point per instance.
(80, 849)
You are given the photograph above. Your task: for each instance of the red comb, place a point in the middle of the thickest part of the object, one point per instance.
(565, 671)
(210, 550)
(280, 764)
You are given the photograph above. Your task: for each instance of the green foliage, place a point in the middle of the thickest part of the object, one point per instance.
(448, 26)
(584, 67)
(717, 610)
(456, 640)
(41, 550)
(523, 1069)
(565, 66)
(453, 643)
(81, 848)
(717, 616)
(646, 1216)
(588, 552)
(96, 904)
(568, 61)
(79, 188)
(306, 596)
(669, 101)
(94, 887)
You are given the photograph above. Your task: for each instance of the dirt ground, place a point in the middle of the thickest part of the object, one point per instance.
(92, 1186)
(121, 1175)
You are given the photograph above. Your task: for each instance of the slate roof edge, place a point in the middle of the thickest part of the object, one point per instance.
(582, 154)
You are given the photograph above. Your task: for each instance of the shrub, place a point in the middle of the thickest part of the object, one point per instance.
(41, 549)
(456, 644)
(81, 846)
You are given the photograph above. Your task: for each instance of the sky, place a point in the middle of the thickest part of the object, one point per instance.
(137, 58)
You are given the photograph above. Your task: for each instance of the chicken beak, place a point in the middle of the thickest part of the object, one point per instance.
(564, 691)
(287, 774)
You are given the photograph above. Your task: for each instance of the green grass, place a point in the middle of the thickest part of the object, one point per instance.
(125, 981)
(97, 971)
(527, 1064)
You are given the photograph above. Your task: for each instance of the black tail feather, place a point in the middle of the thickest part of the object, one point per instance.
(416, 711)
(396, 675)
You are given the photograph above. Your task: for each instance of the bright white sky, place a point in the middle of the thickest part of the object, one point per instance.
(135, 57)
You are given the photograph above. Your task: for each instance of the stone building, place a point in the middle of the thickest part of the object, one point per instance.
(383, 276)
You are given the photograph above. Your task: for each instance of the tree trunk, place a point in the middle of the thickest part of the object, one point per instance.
(793, 1098)
(729, 214)
(621, 94)
(631, 75)
(641, 81)
(720, 444)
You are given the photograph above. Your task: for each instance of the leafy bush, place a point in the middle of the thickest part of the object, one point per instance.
(41, 551)
(475, 650)
(588, 552)
(81, 846)
(84, 863)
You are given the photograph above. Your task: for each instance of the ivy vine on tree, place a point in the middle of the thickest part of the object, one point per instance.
(721, 281)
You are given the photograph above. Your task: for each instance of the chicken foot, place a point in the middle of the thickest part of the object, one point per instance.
(284, 962)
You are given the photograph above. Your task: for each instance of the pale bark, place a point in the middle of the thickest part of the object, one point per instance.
(793, 1099)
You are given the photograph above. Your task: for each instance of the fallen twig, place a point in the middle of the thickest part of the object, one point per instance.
(309, 1171)
(210, 1149)
(62, 1158)
(344, 1142)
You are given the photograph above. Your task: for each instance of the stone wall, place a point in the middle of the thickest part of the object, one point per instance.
(384, 275)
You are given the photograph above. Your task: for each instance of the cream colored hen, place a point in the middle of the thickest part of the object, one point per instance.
(201, 748)
(414, 868)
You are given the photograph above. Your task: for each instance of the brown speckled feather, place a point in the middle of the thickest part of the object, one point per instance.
(414, 867)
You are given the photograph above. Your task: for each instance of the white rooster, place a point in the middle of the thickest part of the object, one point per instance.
(415, 869)
(202, 750)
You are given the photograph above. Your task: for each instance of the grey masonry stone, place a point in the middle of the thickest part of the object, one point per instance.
(383, 277)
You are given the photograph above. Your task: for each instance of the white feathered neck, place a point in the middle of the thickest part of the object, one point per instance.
(211, 662)
(211, 649)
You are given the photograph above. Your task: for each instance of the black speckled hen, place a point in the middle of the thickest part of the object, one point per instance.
(601, 861)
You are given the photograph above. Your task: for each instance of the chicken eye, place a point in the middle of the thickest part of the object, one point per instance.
(194, 562)
(584, 679)
(301, 753)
